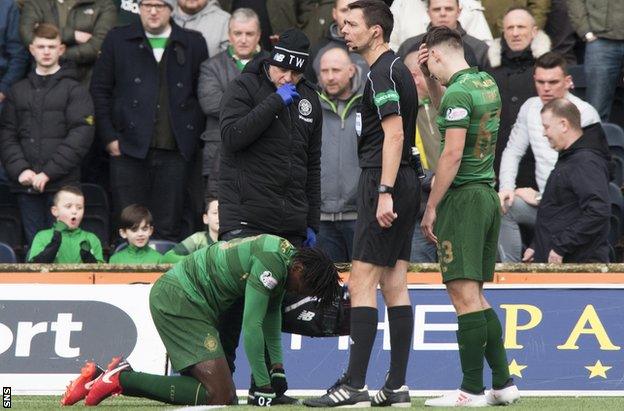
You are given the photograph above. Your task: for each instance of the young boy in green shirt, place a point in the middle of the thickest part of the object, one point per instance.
(199, 239)
(65, 242)
(136, 227)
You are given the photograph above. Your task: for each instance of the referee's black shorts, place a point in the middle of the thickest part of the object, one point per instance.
(384, 246)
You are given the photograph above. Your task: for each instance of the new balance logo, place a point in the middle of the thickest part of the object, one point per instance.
(306, 315)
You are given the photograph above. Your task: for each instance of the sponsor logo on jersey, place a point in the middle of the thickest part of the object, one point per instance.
(456, 114)
(385, 97)
(268, 280)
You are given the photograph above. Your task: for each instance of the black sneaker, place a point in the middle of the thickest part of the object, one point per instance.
(285, 400)
(392, 398)
(341, 395)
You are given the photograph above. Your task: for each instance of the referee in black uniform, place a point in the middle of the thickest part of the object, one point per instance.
(388, 202)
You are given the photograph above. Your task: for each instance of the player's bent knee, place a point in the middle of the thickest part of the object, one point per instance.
(216, 378)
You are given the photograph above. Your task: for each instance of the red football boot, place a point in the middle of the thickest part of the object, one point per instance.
(107, 383)
(79, 388)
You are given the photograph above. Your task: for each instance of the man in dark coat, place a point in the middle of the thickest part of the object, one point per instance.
(512, 58)
(271, 124)
(47, 128)
(145, 94)
(573, 215)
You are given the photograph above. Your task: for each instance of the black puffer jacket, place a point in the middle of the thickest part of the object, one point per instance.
(270, 156)
(47, 125)
(573, 217)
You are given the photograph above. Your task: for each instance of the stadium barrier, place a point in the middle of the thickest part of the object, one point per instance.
(563, 329)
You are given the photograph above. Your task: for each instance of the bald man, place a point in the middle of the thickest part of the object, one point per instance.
(339, 79)
(512, 58)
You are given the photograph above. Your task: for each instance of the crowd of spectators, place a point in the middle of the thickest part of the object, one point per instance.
(146, 99)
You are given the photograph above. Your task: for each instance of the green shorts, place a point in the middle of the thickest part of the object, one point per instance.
(467, 225)
(186, 328)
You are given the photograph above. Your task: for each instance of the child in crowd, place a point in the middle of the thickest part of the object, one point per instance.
(136, 227)
(199, 239)
(65, 242)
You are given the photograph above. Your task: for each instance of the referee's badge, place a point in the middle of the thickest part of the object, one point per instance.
(305, 107)
(358, 123)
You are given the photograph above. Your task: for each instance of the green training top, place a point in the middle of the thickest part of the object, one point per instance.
(253, 267)
(472, 101)
(135, 255)
(69, 251)
(189, 245)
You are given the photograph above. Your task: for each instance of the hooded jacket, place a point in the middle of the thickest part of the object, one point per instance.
(513, 72)
(573, 216)
(340, 168)
(270, 156)
(47, 126)
(211, 22)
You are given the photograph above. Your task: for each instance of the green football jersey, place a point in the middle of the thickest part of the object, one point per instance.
(472, 101)
(217, 276)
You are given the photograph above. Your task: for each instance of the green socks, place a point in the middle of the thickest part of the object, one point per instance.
(179, 390)
(495, 350)
(472, 339)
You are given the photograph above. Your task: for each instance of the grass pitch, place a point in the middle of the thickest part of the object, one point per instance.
(137, 404)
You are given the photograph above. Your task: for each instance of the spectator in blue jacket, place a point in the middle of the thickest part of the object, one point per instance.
(13, 54)
(144, 90)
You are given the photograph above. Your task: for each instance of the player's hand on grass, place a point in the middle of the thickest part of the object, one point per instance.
(426, 224)
(553, 257)
(385, 211)
(506, 199)
(278, 381)
(529, 253)
(260, 396)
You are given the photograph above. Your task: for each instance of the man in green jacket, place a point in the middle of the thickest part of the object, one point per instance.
(186, 303)
(66, 242)
(83, 25)
(600, 24)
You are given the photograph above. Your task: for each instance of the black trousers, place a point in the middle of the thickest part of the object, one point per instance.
(231, 321)
(157, 182)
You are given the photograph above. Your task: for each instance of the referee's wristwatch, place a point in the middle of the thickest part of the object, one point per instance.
(384, 189)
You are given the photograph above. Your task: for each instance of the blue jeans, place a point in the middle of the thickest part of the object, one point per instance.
(603, 62)
(423, 251)
(336, 239)
(35, 211)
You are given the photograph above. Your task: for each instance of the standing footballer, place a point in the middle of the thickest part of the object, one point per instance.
(388, 200)
(468, 213)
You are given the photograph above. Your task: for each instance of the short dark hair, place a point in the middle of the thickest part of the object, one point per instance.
(563, 108)
(133, 215)
(67, 189)
(443, 35)
(376, 13)
(46, 31)
(319, 274)
(552, 60)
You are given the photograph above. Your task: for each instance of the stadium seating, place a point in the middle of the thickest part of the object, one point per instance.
(7, 255)
(162, 246)
(10, 221)
(616, 219)
(97, 212)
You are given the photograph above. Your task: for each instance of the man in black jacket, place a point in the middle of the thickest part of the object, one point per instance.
(270, 166)
(144, 88)
(573, 215)
(47, 129)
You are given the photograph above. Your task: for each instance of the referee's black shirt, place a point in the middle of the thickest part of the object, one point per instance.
(390, 89)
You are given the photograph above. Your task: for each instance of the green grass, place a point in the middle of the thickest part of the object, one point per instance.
(529, 403)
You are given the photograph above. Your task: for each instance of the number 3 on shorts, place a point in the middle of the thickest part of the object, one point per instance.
(445, 252)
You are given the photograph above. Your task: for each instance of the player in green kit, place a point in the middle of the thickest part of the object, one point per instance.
(463, 213)
(186, 303)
